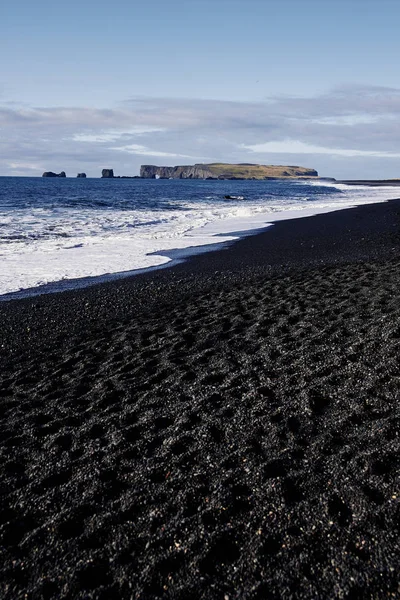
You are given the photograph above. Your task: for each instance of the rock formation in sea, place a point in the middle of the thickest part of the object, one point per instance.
(225, 171)
(107, 173)
(81, 175)
(51, 174)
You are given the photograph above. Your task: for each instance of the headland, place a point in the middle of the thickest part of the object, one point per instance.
(225, 171)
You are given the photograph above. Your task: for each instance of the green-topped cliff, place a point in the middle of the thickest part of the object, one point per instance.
(225, 171)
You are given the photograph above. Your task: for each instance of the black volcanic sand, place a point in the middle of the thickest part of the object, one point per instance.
(228, 428)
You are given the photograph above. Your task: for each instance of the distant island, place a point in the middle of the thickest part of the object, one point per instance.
(62, 174)
(225, 171)
(213, 171)
(51, 174)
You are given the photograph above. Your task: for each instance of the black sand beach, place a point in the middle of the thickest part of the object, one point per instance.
(228, 428)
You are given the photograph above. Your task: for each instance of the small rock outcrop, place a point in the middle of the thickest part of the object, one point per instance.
(107, 173)
(81, 175)
(51, 174)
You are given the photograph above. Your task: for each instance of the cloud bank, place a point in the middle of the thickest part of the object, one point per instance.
(351, 131)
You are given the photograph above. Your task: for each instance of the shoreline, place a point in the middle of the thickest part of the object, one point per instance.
(288, 245)
(371, 182)
(176, 256)
(228, 426)
(72, 264)
(337, 236)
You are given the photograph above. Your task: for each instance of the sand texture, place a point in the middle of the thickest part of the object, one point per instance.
(229, 428)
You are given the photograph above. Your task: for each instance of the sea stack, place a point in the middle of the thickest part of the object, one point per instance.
(51, 174)
(81, 175)
(107, 173)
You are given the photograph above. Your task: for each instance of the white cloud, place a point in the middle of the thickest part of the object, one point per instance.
(346, 120)
(137, 149)
(112, 135)
(296, 147)
(23, 166)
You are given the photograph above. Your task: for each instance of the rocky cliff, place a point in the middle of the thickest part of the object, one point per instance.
(225, 171)
(180, 172)
(107, 173)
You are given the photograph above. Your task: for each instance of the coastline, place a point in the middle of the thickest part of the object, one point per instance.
(226, 426)
(228, 236)
(371, 182)
(355, 234)
(66, 254)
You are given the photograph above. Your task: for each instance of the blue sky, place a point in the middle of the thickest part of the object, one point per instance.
(87, 85)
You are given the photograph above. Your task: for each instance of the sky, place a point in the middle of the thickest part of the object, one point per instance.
(90, 85)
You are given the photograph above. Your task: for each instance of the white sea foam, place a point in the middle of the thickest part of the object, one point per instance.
(42, 246)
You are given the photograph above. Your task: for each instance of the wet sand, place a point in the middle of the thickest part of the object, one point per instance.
(229, 427)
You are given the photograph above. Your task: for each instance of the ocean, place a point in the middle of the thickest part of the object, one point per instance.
(57, 234)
